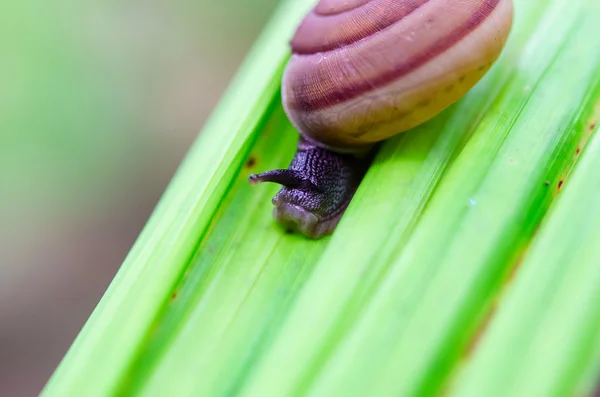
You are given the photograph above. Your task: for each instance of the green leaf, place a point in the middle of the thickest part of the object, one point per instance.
(545, 334)
(215, 299)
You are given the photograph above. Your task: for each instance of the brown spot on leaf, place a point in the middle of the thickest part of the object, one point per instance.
(251, 162)
(173, 296)
(560, 183)
(517, 266)
(483, 326)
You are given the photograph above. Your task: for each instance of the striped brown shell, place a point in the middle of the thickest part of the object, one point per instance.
(364, 70)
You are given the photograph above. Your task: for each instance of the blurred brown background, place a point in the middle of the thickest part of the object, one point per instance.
(99, 102)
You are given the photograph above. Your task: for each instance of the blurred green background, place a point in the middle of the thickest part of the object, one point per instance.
(99, 102)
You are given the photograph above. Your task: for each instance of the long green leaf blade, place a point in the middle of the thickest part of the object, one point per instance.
(217, 300)
(546, 332)
(111, 338)
(418, 320)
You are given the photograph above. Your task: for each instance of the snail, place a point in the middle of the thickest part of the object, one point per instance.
(362, 71)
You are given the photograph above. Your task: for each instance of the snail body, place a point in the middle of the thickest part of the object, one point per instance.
(362, 71)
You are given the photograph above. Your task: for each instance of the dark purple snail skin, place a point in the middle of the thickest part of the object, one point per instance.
(363, 71)
(317, 187)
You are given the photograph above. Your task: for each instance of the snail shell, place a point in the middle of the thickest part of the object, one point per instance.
(364, 70)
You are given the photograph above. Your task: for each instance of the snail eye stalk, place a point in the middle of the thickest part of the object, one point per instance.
(287, 178)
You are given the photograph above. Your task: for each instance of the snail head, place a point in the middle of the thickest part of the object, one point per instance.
(316, 188)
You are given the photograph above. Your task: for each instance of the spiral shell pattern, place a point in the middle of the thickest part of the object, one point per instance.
(362, 71)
